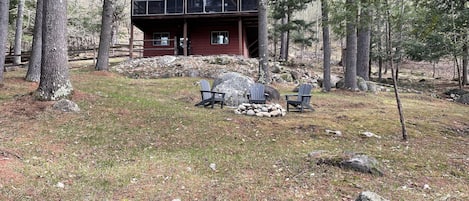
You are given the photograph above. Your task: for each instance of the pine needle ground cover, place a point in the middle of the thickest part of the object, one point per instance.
(139, 139)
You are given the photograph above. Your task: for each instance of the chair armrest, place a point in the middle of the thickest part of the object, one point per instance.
(289, 95)
(214, 93)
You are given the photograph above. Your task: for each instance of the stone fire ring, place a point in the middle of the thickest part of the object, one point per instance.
(260, 110)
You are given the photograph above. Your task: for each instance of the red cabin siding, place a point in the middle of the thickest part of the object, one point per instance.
(150, 49)
(201, 40)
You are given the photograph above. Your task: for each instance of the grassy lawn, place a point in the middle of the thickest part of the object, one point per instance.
(137, 139)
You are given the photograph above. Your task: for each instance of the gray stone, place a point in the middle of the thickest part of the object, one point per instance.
(340, 84)
(276, 68)
(167, 59)
(334, 80)
(235, 87)
(361, 84)
(362, 163)
(295, 75)
(371, 87)
(193, 73)
(273, 93)
(250, 113)
(464, 99)
(65, 105)
(369, 196)
(287, 77)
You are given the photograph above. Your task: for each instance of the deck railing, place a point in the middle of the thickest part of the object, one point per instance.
(179, 7)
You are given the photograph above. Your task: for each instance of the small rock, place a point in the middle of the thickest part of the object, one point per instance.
(337, 133)
(65, 105)
(369, 196)
(60, 185)
(426, 187)
(370, 134)
(213, 166)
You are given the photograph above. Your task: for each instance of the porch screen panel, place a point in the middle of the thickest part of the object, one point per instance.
(231, 5)
(139, 8)
(195, 6)
(248, 5)
(213, 6)
(174, 6)
(156, 7)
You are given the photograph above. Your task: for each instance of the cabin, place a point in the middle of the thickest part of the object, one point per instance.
(197, 27)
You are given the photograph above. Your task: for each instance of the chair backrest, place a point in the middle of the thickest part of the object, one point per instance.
(257, 92)
(205, 86)
(305, 89)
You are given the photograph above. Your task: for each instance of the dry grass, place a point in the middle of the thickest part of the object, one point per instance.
(144, 140)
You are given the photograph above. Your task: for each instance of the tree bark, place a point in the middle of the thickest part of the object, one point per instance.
(326, 84)
(351, 52)
(55, 82)
(105, 37)
(4, 7)
(264, 70)
(34, 68)
(283, 42)
(399, 41)
(363, 41)
(465, 63)
(394, 78)
(18, 33)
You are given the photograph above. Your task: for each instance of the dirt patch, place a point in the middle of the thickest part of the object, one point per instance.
(24, 105)
(8, 175)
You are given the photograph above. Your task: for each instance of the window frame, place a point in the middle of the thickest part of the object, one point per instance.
(158, 41)
(215, 34)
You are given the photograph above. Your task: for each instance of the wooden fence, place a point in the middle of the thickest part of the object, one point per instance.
(120, 50)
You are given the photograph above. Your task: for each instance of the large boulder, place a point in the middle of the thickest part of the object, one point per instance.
(361, 84)
(334, 80)
(464, 99)
(235, 86)
(273, 93)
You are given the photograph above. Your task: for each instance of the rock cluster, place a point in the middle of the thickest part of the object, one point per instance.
(209, 67)
(261, 110)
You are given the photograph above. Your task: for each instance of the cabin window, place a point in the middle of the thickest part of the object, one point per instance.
(219, 37)
(156, 7)
(140, 8)
(161, 39)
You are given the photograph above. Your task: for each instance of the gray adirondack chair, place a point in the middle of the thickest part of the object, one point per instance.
(257, 94)
(210, 97)
(303, 98)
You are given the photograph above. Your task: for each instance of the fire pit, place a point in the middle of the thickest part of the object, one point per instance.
(260, 110)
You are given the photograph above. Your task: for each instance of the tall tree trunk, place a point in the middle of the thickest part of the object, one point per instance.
(55, 82)
(380, 47)
(394, 78)
(458, 67)
(283, 42)
(4, 7)
(34, 68)
(465, 63)
(264, 71)
(326, 84)
(399, 41)
(18, 33)
(351, 55)
(363, 41)
(105, 38)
